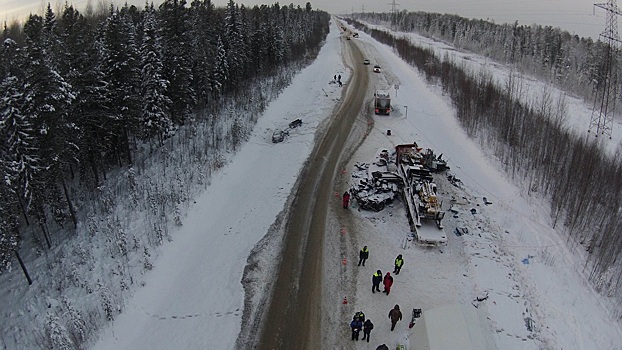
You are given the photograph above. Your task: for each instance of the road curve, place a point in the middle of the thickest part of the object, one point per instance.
(293, 319)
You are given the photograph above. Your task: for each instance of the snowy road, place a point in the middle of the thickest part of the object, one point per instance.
(295, 313)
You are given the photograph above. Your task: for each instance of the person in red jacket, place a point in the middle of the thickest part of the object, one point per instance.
(388, 282)
(346, 200)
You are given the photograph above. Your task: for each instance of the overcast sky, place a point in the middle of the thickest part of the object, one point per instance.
(577, 16)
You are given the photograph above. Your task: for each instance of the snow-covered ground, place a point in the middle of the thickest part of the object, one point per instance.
(194, 298)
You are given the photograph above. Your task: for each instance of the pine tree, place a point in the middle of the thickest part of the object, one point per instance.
(155, 103)
(205, 25)
(48, 98)
(120, 67)
(235, 45)
(81, 64)
(177, 58)
(221, 68)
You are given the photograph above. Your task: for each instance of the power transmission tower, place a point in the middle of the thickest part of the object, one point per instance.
(393, 17)
(607, 89)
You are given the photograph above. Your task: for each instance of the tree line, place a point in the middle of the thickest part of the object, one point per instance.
(575, 64)
(79, 94)
(583, 184)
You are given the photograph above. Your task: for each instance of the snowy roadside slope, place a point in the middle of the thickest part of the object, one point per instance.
(537, 297)
(194, 299)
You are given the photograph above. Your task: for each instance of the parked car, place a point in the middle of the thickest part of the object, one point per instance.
(278, 136)
(365, 61)
(377, 68)
(296, 123)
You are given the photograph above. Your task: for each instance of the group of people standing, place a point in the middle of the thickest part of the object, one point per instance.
(337, 79)
(376, 278)
(360, 323)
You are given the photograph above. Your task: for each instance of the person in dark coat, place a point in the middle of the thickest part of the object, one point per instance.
(382, 347)
(399, 262)
(395, 315)
(367, 327)
(356, 326)
(388, 282)
(375, 281)
(346, 200)
(363, 255)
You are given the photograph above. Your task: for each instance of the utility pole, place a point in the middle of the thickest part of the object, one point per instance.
(607, 88)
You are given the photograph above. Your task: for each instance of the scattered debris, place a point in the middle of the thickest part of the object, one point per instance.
(482, 298)
(461, 231)
(455, 181)
(479, 299)
(486, 202)
(473, 211)
(529, 323)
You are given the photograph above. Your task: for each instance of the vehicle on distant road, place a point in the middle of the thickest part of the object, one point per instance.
(376, 69)
(365, 61)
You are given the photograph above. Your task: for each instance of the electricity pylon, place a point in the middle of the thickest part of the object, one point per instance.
(607, 89)
(393, 16)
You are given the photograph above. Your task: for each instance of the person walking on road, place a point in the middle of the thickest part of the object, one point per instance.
(346, 200)
(399, 262)
(388, 282)
(395, 315)
(375, 281)
(367, 327)
(356, 326)
(363, 255)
